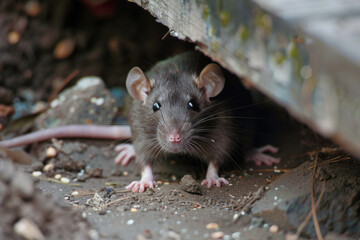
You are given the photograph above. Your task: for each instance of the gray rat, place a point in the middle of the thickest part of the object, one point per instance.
(178, 110)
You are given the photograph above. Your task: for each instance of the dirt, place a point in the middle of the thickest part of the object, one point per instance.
(94, 203)
(27, 213)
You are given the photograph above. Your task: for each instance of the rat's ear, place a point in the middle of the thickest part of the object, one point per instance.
(211, 79)
(138, 84)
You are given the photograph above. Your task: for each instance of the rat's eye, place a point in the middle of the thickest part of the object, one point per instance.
(192, 105)
(156, 106)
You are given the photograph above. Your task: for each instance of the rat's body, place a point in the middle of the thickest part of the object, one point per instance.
(181, 107)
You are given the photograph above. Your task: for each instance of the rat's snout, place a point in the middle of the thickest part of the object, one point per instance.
(175, 136)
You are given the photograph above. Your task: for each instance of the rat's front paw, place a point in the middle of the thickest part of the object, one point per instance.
(126, 154)
(214, 181)
(140, 186)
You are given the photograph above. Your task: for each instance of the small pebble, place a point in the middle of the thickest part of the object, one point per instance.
(36, 173)
(93, 234)
(99, 101)
(125, 173)
(51, 152)
(133, 210)
(236, 235)
(130, 222)
(54, 103)
(166, 183)
(49, 167)
(57, 176)
(159, 182)
(217, 235)
(32, 8)
(65, 180)
(274, 229)
(64, 48)
(212, 226)
(75, 193)
(291, 236)
(28, 229)
(13, 37)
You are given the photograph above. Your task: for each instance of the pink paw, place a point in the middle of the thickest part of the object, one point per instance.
(214, 181)
(140, 186)
(126, 154)
(260, 157)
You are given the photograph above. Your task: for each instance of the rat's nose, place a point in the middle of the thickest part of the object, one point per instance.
(175, 137)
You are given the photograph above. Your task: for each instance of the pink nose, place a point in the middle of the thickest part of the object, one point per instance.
(175, 137)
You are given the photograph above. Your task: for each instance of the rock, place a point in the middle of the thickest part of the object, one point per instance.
(188, 184)
(37, 165)
(171, 235)
(28, 230)
(95, 172)
(3, 190)
(7, 169)
(70, 165)
(73, 106)
(288, 201)
(23, 185)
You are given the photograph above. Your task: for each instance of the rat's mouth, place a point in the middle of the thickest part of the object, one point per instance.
(172, 147)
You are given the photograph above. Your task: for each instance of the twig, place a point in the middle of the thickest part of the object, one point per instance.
(57, 181)
(315, 220)
(307, 219)
(115, 201)
(123, 191)
(70, 77)
(271, 170)
(167, 33)
(333, 160)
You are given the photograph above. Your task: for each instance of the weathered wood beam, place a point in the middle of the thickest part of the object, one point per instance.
(303, 54)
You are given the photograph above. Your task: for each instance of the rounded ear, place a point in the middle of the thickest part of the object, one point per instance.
(137, 84)
(212, 80)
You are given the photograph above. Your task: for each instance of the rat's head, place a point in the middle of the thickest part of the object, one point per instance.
(176, 101)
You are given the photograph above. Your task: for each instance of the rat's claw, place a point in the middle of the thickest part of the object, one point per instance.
(269, 148)
(214, 181)
(127, 153)
(146, 181)
(140, 186)
(260, 157)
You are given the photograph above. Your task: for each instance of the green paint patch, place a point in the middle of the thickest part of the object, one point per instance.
(263, 21)
(224, 18)
(279, 58)
(206, 13)
(215, 46)
(243, 33)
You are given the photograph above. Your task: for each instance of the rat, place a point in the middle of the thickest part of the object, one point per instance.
(181, 106)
